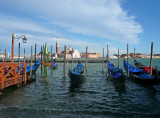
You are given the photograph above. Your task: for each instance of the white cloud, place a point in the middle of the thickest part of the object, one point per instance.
(101, 18)
(17, 24)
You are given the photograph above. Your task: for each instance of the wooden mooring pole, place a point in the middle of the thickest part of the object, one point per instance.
(72, 60)
(41, 54)
(103, 61)
(151, 58)
(35, 58)
(118, 57)
(107, 60)
(51, 60)
(12, 61)
(31, 63)
(35, 53)
(68, 65)
(25, 78)
(134, 56)
(51, 56)
(19, 53)
(5, 56)
(43, 63)
(64, 65)
(127, 62)
(41, 60)
(86, 62)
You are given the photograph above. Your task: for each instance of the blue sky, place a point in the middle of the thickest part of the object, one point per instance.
(81, 23)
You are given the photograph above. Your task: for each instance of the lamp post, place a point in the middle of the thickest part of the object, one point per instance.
(24, 39)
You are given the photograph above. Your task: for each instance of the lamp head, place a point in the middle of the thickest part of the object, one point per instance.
(24, 39)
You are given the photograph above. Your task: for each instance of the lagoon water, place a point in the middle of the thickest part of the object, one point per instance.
(97, 96)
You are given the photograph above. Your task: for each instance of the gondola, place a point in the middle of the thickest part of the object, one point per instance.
(155, 72)
(54, 65)
(28, 68)
(34, 67)
(139, 74)
(115, 72)
(78, 73)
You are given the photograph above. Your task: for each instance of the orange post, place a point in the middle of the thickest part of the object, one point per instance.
(2, 78)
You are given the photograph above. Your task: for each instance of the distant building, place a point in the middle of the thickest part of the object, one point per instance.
(61, 55)
(76, 54)
(69, 49)
(140, 56)
(68, 52)
(113, 57)
(156, 56)
(90, 55)
(126, 57)
(2, 55)
(17, 56)
(54, 55)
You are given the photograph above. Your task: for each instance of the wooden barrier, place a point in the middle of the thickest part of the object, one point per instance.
(12, 74)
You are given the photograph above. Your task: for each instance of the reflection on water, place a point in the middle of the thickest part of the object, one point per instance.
(75, 84)
(45, 70)
(119, 86)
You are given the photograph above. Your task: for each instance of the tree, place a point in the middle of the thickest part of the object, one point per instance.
(115, 55)
(123, 55)
(138, 54)
(40, 53)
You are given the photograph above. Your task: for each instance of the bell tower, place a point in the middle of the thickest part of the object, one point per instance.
(57, 46)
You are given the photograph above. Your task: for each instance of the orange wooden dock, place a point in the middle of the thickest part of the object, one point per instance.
(12, 74)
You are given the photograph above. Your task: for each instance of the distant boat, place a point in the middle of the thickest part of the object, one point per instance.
(138, 74)
(54, 65)
(115, 72)
(78, 73)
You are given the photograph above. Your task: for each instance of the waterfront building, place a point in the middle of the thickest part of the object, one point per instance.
(76, 54)
(89, 55)
(69, 49)
(156, 56)
(69, 52)
(113, 57)
(2, 55)
(141, 56)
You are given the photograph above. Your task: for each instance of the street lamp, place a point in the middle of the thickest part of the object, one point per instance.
(24, 39)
